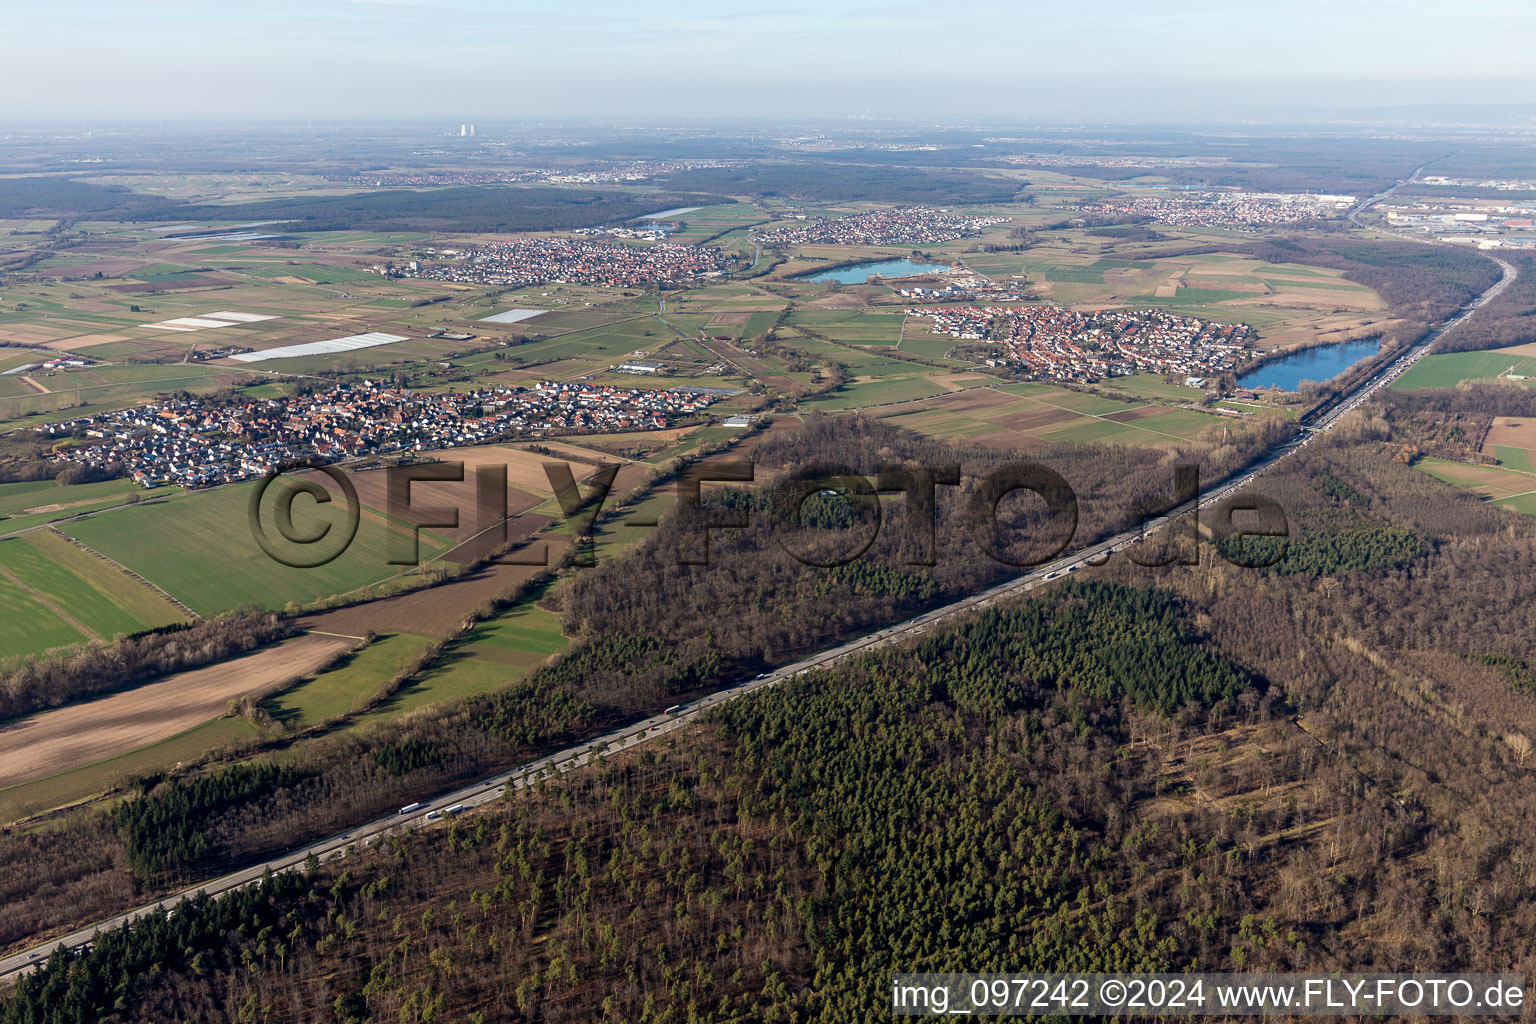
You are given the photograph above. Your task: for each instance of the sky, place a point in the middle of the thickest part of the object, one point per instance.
(463, 60)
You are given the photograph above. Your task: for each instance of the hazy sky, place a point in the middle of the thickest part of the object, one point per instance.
(474, 59)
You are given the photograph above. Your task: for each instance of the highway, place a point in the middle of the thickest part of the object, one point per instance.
(1361, 207)
(424, 812)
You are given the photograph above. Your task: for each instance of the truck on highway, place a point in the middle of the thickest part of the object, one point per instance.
(408, 808)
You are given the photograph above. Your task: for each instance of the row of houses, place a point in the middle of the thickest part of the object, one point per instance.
(194, 442)
(521, 262)
(1064, 344)
(909, 225)
(1236, 210)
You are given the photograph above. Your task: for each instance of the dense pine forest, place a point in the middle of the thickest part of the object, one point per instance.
(470, 208)
(910, 809)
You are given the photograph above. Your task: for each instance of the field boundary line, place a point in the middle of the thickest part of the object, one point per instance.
(128, 572)
(51, 605)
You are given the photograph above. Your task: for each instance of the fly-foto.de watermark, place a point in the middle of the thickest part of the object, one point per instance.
(299, 540)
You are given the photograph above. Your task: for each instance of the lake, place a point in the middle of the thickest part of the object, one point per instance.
(1320, 364)
(858, 273)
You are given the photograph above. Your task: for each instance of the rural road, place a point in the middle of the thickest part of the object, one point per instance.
(425, 810)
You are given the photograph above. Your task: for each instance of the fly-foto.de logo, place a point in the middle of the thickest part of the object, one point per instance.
(290, 521)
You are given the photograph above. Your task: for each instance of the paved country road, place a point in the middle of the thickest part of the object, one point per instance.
(426, 811)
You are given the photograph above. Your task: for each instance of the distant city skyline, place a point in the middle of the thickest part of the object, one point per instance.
(473, 60)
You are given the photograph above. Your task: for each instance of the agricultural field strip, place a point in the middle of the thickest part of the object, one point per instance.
(51, 605)
(920, 403)
(70, 737)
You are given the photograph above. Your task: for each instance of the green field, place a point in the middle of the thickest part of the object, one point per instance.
(1507, 488)
(348, 683)
(493, 654)
(854, 327)
(200, 549)
(1450, 369)
(99, 596)
(865, 393)
(27, 626)
(25, 504)
(79, 393)
(1514, 458)
(1033, 413)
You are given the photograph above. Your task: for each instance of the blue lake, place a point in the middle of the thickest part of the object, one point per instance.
(1319, 364)
(858, 273)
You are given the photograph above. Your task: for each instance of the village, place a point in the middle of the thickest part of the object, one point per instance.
(1052, 342)
(521, 262)
(912, 225)
(195, 442)
(1232, 210)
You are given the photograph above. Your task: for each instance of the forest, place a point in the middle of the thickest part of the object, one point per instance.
(1509, 319)
(907, 809)
(469, 208)
(460, 209)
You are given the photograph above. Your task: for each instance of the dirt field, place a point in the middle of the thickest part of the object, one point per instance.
(1035, 418)
(437, 611)
(729, 319)
(1129, 415)
(527, 484)
(1514, 431)
(57, 741)
(982, 398)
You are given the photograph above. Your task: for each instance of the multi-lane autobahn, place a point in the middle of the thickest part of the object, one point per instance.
(425, 812)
